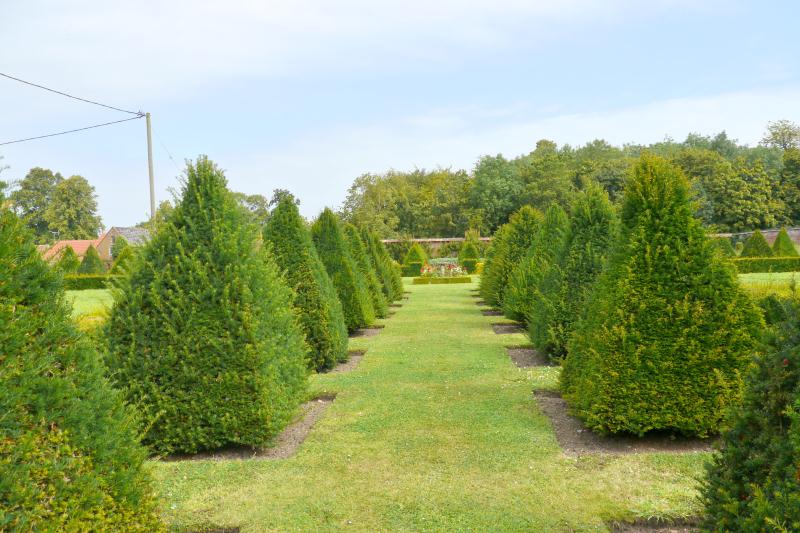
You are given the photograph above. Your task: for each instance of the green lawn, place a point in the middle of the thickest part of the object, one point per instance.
(89, 302)
(762, 283)
(436, 430)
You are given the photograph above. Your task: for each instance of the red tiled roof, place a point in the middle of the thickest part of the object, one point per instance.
(79, 246)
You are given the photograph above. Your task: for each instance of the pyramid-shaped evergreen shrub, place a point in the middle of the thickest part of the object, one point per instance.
(783, 245)
(70, 458)
(724, 246)
(753, 482)
(333, 249)
(203, 337)
(592, 226)
(668, 330)
(756, 246)
(122, 261)
(531, 287)
(367, 271)
(416, 254)
(389, 276)
(469, 254)
(68, 261)
(91, 264)
(315, 298)
(509, 246)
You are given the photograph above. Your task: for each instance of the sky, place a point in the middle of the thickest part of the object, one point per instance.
(306, 95)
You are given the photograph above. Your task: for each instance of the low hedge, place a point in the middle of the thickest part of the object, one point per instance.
(412, 269)
(82, 282)
(442, 281)
(747, 265)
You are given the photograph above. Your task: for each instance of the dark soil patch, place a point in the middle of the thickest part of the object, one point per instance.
(406, 292)
(526, 357)
(395, 305)
(491, 312)
(353, 358)
(367, 332)
(481, 302)
(217, 530)
(286, 443)
(506, 328)
(655, 526)
(575, 439)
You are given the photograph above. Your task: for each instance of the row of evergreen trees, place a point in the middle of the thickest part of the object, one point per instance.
(68, 261)
(215, 326)
(654, 333)
(757, 246)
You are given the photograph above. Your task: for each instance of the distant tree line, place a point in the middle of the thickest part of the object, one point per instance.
(735, 187)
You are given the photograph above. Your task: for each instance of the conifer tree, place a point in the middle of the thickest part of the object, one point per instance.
(367, 271)
(756, 246)
(315, 298)
(668, 330)
(122, 261)
(70, 459)
(203, 337)
(533, 282)
(333, 249)
(68, 261)
(724, 246)
(592, 226)
(119, 244)
(469, 254)
(384, 265)
(415, 254)
(91, 264)
(509, 247)
(783, 245)
(752, 482)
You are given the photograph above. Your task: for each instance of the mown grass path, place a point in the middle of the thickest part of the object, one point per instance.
(436, 430)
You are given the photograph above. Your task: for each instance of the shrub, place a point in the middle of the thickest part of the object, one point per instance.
(412, 269)
(366, 271)
(724, 246)
(510, 244)
(203, 337)
(668, 329)
(469, 255)
(335, 253)
(746, 265)
(120, 243)
(753, 482)
(384, 265)
(756, 246)
(535, 276)
(91, 264)
(70, 459)
(315, 298)
(122, 261)
(470, 265)
(783, 245)
(592, 225)
(82, 282)
(415, 254)
(68, 261)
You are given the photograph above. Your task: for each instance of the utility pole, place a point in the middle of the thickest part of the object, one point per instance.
(150, 168)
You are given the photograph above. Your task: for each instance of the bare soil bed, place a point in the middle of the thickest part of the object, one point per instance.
(576, 440)
(286, 443)
(395, 305)
(505, 328)
(353, 358)
(367, 332)
(652, 526)
(527, 357)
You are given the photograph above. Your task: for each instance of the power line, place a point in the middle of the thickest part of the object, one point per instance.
(139, 113)
(72, 131)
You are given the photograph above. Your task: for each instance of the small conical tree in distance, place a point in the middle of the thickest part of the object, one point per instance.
(592, 226)
(119, 244)
(333, 249)
(469, 253)
(415, 254)
(389, 276)
(91, 264)
(203, 337)
(756, 246)
(315, 298)
(724, 246)
(368, 274)
(70, 458)
(68, 261)
(122, 261)
(668, 330)
(783, 245)
(752, 482)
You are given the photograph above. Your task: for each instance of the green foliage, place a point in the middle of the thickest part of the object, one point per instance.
(509, 247)
(334, 250)
(32, 198)
(70, 459)
(203, 337)
(72, 211)
(724, 246)
(81, 282)
(470, 265)
(366, 270)
(783, 245)
(119, 244)
(441, 281)
(746, 265)
(321, 315)
(122, 261)
(412, 269)
(668, 330)
(528, 297)
(753, 483)
(469, 254)
(592, 226)
(91, 264)
(384, 266)
(756, 246)
(68, 261)
(415, 254)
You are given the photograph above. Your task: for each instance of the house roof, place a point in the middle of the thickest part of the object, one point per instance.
(134, 236)
(78, 246)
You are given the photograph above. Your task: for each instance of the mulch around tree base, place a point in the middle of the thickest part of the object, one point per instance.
(527, 357)
(353, 358)
(506, 328)
(367, 332)
(286, 443)
(653, 526)
(576, 440)
(491, 312)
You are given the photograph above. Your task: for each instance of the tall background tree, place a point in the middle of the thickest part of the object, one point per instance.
(32, 199)
(72, 211)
